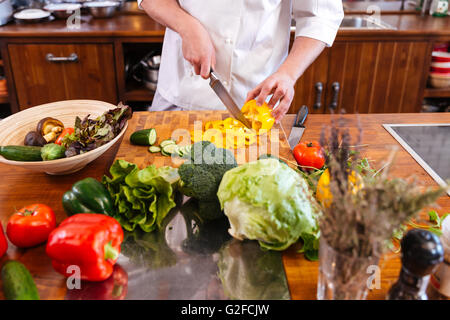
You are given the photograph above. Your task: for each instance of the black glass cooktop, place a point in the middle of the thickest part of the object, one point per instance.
(428, 144)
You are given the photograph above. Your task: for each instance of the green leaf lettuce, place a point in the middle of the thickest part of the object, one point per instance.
(142, 197)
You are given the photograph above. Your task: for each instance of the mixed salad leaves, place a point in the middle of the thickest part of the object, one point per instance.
(90, 134)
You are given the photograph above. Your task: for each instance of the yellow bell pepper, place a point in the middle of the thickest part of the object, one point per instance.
(230, 133)
(260, 116)
(323, 193)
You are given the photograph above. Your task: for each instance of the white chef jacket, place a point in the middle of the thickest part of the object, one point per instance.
(251, 40)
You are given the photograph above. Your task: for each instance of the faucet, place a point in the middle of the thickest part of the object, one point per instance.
(425, 5)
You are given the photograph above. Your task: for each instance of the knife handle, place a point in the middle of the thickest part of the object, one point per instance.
(301, 116)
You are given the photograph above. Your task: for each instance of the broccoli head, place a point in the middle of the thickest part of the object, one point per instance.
(202, 173)
(197, 182)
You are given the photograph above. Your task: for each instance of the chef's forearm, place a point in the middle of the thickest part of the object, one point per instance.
(168, 13)
(303, 52)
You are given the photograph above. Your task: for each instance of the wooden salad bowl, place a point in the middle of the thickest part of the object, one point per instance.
(14, 128)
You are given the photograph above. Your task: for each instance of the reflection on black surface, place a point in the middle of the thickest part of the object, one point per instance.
(203, 236)
(185, 259)
(248, 272)
(431, 143)
(113, 288)
(149, 249)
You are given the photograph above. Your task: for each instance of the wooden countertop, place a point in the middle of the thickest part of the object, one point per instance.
(134, 23)
(19, 187)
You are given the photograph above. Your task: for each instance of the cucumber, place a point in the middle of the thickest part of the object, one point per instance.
(154, 149)
(166, 143)
(18, 284)
(184, 151)
(21, 153)
(144, 137)
(169, 149)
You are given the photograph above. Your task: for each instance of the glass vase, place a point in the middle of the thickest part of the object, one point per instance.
(343, 277)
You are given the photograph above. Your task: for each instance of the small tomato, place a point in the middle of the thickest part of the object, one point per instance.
(309, 154)
(31, 225)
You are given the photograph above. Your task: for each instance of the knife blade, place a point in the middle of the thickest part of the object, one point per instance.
(227, 100)
(298, 128)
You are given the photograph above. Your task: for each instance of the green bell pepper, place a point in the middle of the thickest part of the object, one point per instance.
(88, 196)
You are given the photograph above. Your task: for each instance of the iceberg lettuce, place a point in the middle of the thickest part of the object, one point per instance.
(267, 201)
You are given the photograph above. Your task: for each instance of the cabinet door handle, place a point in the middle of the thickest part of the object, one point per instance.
(319, 90)
(51, 58)
(334, 102)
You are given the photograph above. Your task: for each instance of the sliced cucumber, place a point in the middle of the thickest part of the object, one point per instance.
(165, 153)
(184, 151)
(154, 149)
(166, 143)
(144, 137)
(169, 149)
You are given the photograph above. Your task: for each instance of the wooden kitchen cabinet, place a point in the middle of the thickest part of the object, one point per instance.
(310, 88)
(367, 77)
(74, 71)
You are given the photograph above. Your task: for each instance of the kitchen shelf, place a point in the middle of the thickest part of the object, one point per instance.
(135, 91)
(138, 94)
(437, 93)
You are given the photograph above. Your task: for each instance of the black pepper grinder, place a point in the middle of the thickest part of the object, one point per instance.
(422, 252)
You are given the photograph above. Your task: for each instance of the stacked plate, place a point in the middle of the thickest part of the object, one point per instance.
(32, 16)
(440, 69)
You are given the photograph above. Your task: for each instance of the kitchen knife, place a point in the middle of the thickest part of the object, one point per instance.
(227, 100)
(298, 127)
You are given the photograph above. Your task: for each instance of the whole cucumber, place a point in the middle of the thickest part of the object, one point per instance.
(18, 284)
(144, 137)
(21, 153)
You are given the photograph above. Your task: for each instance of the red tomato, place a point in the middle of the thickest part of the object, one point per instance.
(64, 133)
(309, 154)
(31, 225)
(3, 242)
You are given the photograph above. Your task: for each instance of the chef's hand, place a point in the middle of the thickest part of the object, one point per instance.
(197, 46)
(198, 49)
(281, 85)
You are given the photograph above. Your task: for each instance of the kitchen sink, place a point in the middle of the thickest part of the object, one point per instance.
(360, 22)
(364, 22)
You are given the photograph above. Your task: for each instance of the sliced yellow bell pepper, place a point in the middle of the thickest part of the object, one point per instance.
(231, 133)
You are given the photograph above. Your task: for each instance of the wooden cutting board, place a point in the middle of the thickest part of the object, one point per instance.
(179, 124)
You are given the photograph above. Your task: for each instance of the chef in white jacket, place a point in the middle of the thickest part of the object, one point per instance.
(245, 41)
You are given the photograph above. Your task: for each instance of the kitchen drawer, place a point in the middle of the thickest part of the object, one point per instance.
(51, 72)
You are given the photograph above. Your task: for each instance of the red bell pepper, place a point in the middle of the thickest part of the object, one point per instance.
(31, 225)
(88, 240)
(64, 133)
(113, 288)
(3, 242)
